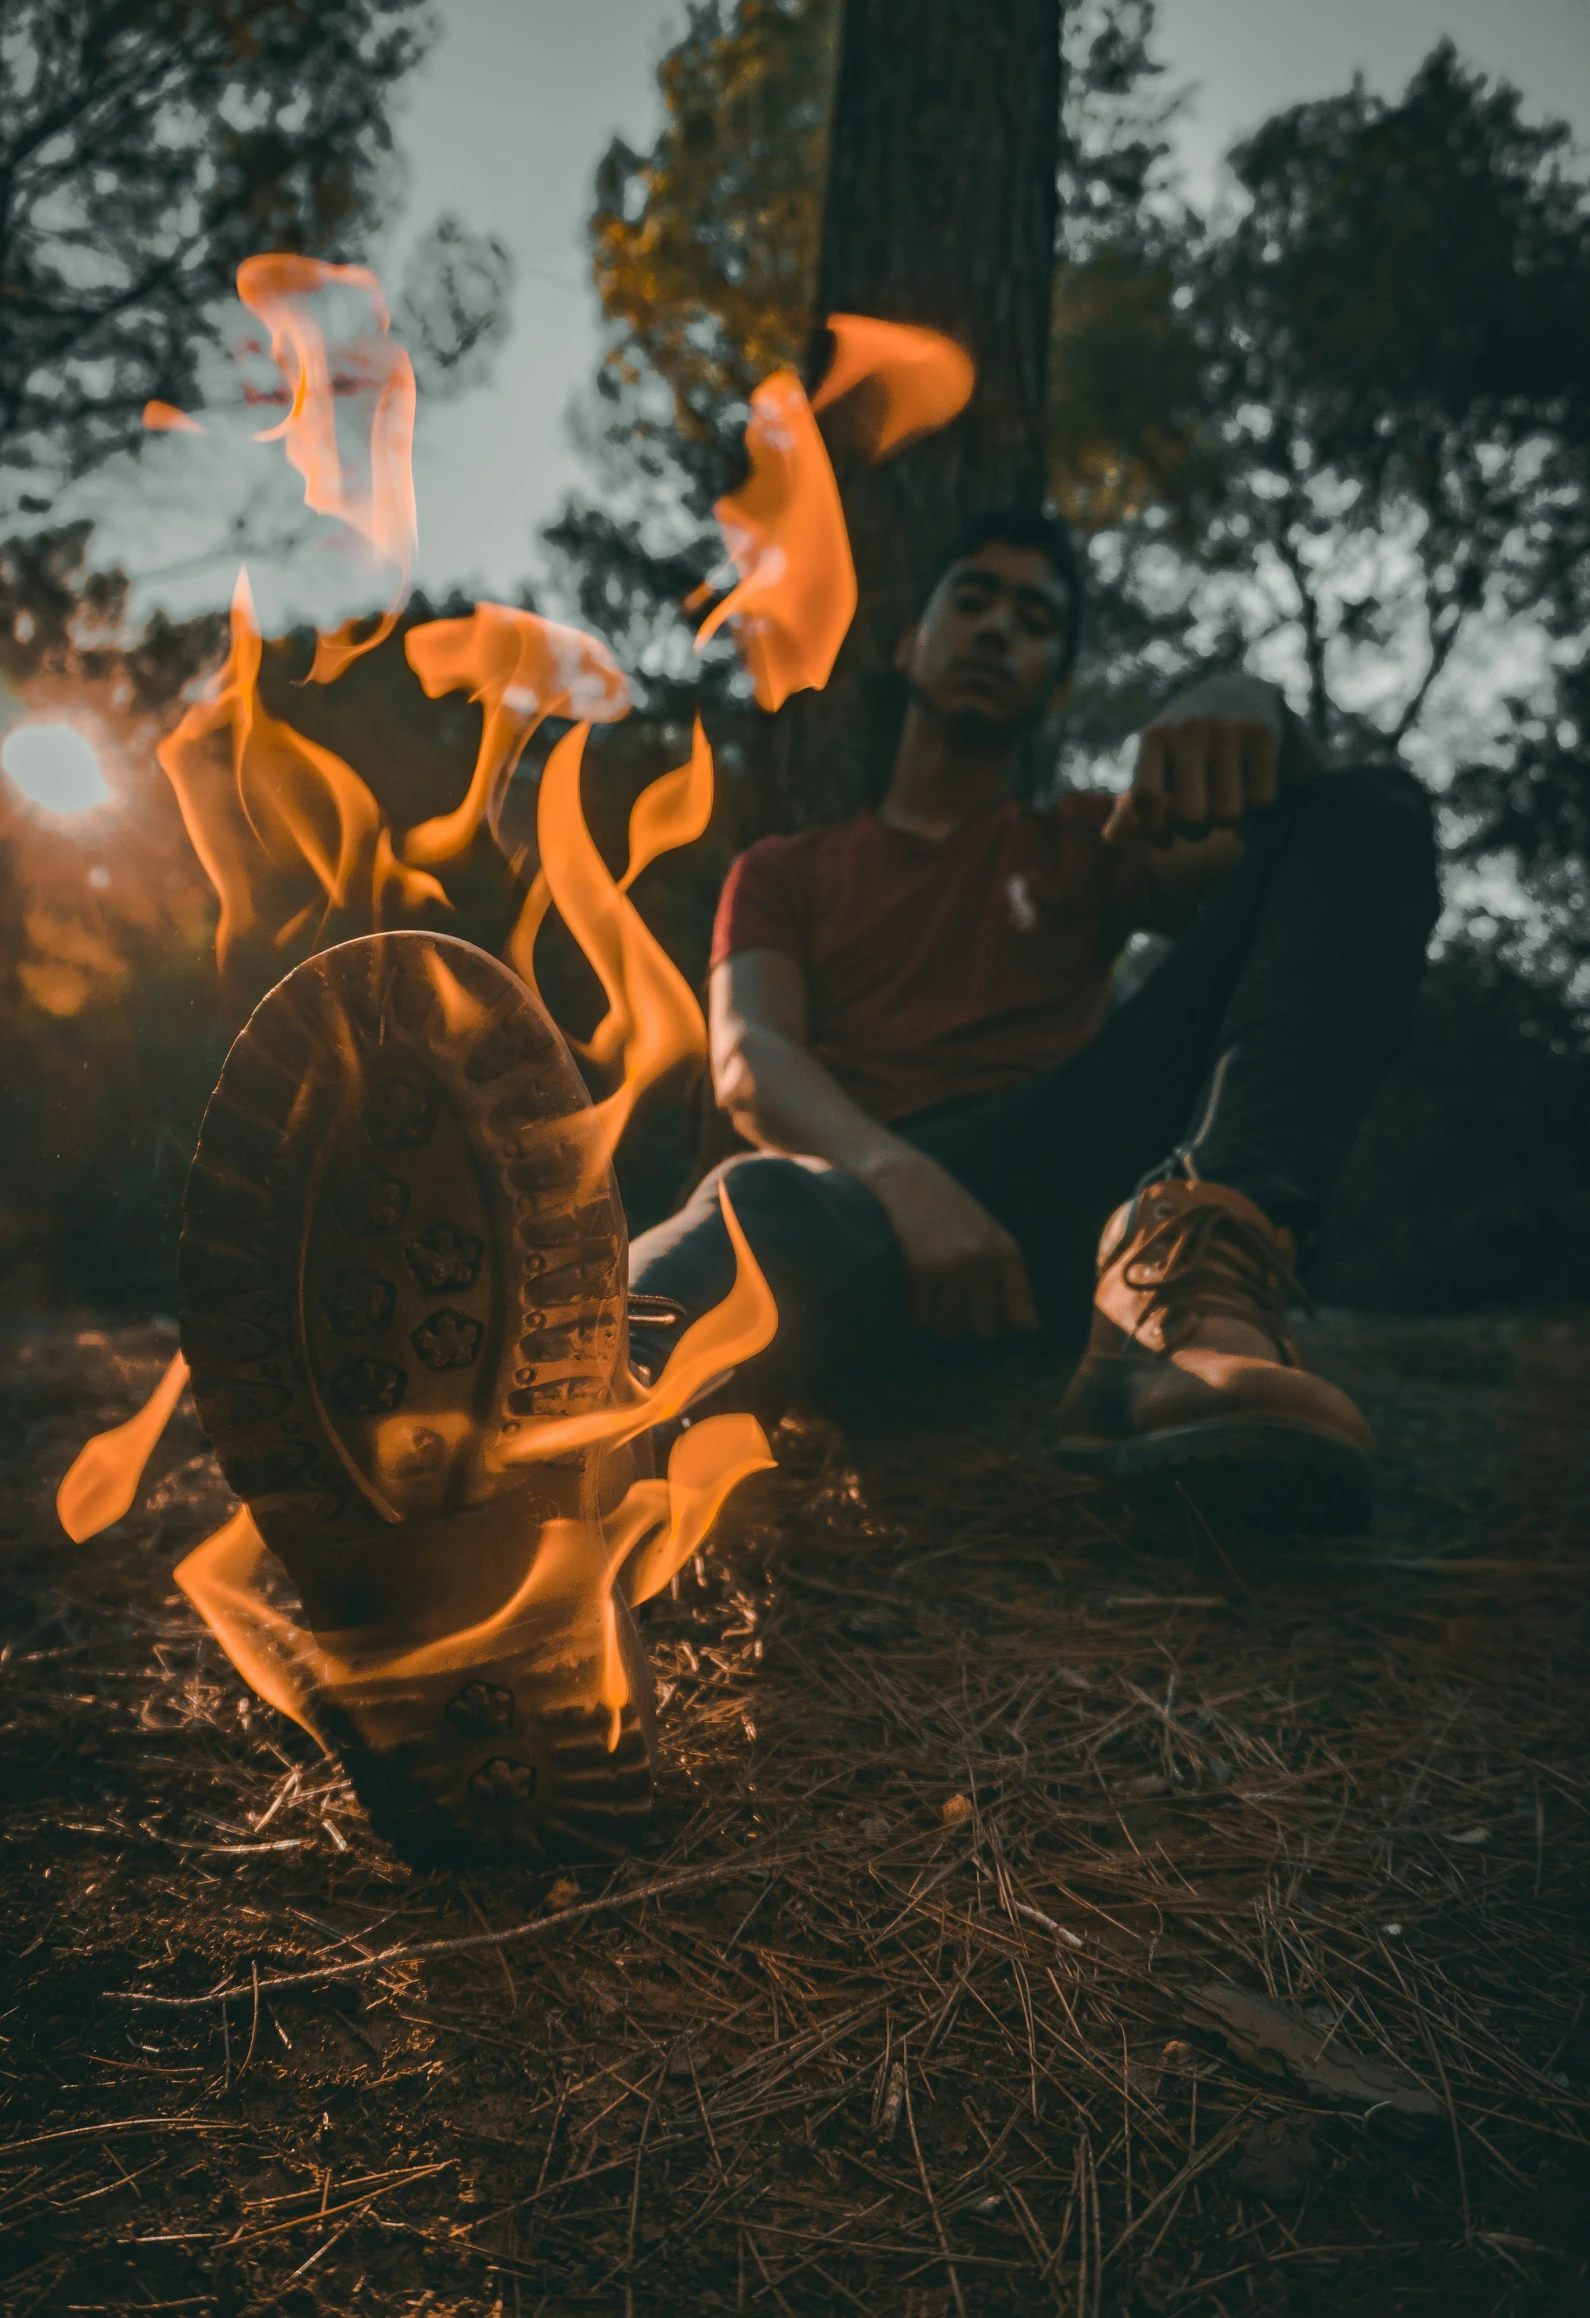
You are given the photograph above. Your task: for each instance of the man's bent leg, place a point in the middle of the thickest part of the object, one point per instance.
(1325, 997)
(1247, 1058)
(1229, 1089)
(826, 1250)
(1191, 1386)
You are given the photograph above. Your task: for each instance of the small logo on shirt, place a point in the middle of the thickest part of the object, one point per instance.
(1023, 909)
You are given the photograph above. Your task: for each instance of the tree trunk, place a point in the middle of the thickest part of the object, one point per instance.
(941, 208)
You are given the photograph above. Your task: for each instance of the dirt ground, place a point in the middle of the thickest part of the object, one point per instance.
(1041, 1919)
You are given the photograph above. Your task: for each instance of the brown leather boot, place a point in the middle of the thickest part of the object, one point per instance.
(1190, 1385)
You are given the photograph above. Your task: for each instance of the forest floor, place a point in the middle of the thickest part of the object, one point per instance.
(1041, 1920)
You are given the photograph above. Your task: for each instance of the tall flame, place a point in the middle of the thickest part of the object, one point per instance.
(784, 528)
(704, 1466)
(349, 429)
(276, 1658)
(104, 1475)
(673, 810)
(289, 812)
(924, 379)
(653, 1020)
(287, 807)
(521, 669)
(372, 488)
(785, 533)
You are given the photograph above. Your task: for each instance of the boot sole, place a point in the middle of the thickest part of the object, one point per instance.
(400, 1248)
(1246, 1476)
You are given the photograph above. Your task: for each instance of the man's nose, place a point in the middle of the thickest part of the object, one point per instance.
(994, 625)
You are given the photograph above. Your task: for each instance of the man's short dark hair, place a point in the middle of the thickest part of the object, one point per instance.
(1047, 536)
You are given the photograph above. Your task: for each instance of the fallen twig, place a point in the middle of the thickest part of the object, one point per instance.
(428, 1948)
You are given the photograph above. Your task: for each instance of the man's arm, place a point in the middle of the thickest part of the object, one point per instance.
(1223, 748)
(964, 1272)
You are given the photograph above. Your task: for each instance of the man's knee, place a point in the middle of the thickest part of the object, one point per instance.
(795, 1199)
(1385, 817)
(1385, 796)
(760, 1183)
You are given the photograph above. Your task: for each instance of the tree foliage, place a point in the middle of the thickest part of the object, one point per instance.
(1400, 441)
(146, 146)
(704, 253)
(1338, 429)
(704, 250)
(452, 310)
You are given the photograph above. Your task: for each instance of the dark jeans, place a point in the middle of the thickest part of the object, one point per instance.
(1248, 1057)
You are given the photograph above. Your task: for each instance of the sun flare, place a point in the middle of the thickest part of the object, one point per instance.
(55, 766)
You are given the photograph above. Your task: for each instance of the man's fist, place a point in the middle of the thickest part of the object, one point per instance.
(1205, 761)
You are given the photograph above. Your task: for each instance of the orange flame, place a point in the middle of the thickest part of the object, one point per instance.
(575, 1565)
(164, 418)
(653, 1020)
(288, 806)
(291, 809)
(732, 1333)
(704, 1465)
(925, 379)
(785, 529)
(521, 669)
(673, 810)
(373, 489)
(276, 1658)
(785, 533)
(104, 1476)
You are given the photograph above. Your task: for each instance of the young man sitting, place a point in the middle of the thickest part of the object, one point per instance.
(398, 1263)
(912, 1026)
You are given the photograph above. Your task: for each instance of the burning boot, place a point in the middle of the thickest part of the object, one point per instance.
(403, 1255)
(1190, 1384)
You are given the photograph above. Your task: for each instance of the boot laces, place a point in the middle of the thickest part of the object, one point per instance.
(1205, 1259)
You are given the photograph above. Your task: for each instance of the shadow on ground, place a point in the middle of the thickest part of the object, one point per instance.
(995, 1806)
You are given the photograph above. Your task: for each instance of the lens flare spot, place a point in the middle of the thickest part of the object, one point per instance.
(56, 766)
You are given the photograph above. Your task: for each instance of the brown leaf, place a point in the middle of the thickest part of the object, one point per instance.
(1271, 2038)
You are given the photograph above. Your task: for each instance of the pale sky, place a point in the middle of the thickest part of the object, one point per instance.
(505, 124)
(508, 119)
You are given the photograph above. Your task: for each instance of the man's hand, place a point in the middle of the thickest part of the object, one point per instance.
(964, 1273)
(1204, 762)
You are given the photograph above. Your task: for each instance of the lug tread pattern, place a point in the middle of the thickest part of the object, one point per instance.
(397, 1217)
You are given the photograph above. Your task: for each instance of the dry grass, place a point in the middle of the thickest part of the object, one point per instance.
(984, 1791)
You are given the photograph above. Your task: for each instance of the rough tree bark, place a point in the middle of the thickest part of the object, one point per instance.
(941, 208)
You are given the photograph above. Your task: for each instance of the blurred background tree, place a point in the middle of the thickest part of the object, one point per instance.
(939, 205)
(146, 146)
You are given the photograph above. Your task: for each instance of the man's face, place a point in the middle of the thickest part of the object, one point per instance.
(986, 652)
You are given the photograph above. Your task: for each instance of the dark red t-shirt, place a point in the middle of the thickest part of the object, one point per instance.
(938, 970)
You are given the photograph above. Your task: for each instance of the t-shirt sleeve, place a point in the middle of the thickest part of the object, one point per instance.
(760, 907)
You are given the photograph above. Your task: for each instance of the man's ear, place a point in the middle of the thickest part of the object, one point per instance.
(904, 650)
(1059, 694)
